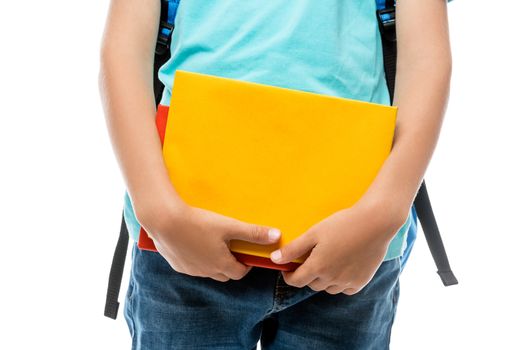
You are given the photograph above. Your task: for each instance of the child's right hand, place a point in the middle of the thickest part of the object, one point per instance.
(195, 241)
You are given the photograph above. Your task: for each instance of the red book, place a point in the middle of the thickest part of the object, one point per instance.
(144, 242)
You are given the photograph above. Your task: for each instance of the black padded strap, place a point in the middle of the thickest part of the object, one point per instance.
(432, 234)
(162, 51)
(390, 65)
(157, 84)
(422, 203)
(117, 270)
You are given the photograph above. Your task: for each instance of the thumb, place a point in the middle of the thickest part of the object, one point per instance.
(255, 233)
(295, 249)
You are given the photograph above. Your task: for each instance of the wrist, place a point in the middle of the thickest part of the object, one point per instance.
(157, 211)
(387, 212)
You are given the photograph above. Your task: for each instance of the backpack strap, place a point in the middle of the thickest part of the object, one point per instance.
(433, 238)
(163, 45)
(116, 272)
(162, 54)
(424, 211)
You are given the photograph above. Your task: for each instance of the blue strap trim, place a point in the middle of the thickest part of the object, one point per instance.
(165, 32)
(386, 17)
(381, 4)
(172, 7)
(386, 14)
(171, 11)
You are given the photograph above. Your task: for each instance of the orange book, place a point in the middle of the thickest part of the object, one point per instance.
(269, 155)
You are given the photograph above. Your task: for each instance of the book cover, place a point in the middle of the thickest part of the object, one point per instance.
(269, 155)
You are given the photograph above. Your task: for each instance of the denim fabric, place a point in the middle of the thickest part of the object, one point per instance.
(165, 309)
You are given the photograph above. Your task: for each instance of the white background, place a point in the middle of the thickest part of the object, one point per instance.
(61, 191)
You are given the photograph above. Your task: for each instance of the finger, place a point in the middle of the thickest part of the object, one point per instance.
(235, 269)
(220, 277)
(237, 273)
(295, 249)
(335, 289)
(253, 233)
(350, 291)
(317, 285)
(301, 277)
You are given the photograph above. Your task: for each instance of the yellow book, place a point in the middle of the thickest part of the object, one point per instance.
(269, 155)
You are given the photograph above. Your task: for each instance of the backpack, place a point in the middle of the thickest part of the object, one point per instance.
(421, 209)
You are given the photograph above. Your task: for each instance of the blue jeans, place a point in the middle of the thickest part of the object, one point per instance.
(166, 309)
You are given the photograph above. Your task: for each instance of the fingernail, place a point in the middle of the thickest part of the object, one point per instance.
(274, 234)
(276, 255)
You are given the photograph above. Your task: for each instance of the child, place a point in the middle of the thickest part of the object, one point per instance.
(195, 294)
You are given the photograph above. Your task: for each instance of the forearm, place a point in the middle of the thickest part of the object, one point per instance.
(126, 70)
(421, 107)
(421, 94)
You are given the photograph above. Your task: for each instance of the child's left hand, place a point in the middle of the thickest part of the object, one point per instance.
(346, 249)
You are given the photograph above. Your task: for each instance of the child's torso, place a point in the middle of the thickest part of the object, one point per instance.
(329, 46)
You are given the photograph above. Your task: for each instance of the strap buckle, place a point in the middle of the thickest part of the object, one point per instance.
(386, 23)
(163, 41)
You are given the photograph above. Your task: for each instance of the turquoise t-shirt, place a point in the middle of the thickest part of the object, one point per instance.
(330, 47)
